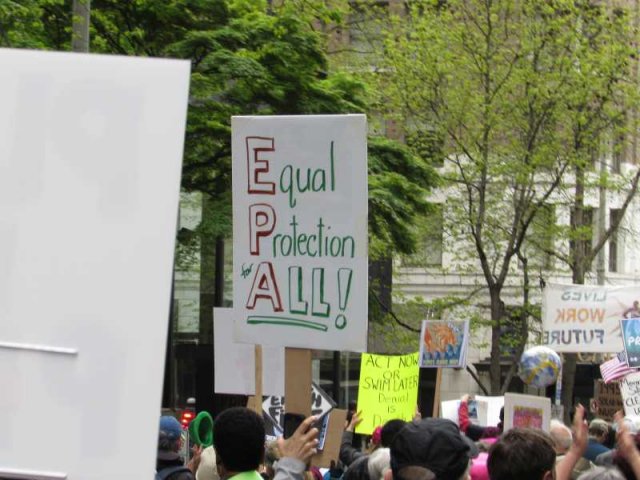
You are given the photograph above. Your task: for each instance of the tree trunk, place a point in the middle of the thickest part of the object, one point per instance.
(497, 313)
(578, 269)
(81, 16)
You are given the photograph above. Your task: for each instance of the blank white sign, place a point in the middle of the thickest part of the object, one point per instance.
(90, 159)
(235, 363)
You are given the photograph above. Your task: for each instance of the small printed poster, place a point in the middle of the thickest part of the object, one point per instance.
(444, 343)
(527, 417)
(526, 411)
(630, 390)
(631, 337)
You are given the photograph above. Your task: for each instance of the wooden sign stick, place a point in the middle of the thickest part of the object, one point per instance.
(257, 403)
(297, 380)
(436, 396)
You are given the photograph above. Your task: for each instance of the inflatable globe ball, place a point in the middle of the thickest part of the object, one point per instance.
(539, 367)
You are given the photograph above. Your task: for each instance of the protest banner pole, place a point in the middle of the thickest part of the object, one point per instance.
(257, 404)
(297, 380)
(436, 395)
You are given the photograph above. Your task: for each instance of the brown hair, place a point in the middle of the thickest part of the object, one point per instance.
(522, 453)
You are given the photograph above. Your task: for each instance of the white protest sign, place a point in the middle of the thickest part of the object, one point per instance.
(630, 390)
(90, 160)
(449, 410)
(300, 231)
(493, 407)
(479, 409)
(321, 402)
(586, 318)
(235, 362)
(526, 411)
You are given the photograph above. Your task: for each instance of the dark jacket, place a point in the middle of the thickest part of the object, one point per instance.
(349, 454)
(172, 459)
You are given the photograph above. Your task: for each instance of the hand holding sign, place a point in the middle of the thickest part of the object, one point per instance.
(302, 444)
(355, 420)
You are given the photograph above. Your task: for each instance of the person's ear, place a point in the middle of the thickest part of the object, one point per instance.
(548, 475)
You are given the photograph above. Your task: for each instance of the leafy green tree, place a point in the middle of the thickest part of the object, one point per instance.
(503, 83)
(247, 57)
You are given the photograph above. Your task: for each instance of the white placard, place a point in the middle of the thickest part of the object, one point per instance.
(526, 411)
(449, 410)
(494, 405)
(630, 390)
(300, 231)
(90, 159)
(586, 318)
(235, 362)
(481, 415)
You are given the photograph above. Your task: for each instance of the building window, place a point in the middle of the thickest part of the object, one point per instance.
(615, 215)
(431, 235)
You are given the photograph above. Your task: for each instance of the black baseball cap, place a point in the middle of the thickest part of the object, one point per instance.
(435, 446)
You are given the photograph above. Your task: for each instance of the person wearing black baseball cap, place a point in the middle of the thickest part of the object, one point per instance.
(431, 449)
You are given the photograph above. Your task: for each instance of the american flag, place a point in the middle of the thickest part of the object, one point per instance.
(615, 368)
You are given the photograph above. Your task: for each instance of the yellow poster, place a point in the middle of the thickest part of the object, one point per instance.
(388, 389)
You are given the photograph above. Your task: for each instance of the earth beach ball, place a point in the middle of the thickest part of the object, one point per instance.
(539, 366)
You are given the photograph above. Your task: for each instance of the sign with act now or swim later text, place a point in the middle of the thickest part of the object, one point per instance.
(300, 231)
(388, 389)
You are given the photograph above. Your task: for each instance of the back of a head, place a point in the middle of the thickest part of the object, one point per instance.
(598, 427)
(522, 454)
(379, 462)
(238, 437)
(389, 431)
(207, 469)
(431, 448)
(561, 435)
(170, 434)
(602, 473)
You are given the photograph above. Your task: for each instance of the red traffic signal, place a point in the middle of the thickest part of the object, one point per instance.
(186, 418)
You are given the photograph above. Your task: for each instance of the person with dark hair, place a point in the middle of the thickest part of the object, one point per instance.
(238, 439)
(349, 454)
(389, 431)
(431, 449)
(356, 461)
(523, 454)
(529, 454)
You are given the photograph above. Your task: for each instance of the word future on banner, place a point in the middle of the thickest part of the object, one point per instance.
(300, 231)
(586, 318)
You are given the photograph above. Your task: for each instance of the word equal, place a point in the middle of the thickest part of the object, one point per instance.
(291, 240)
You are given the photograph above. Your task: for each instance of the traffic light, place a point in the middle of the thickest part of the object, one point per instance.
(186, 418)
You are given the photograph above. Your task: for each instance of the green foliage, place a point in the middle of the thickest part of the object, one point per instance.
(399, 182)
(523, 94)
(247, 58)
(247, 61)
(36, 24)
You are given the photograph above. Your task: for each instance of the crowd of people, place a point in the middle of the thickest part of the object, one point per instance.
(422, 449)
